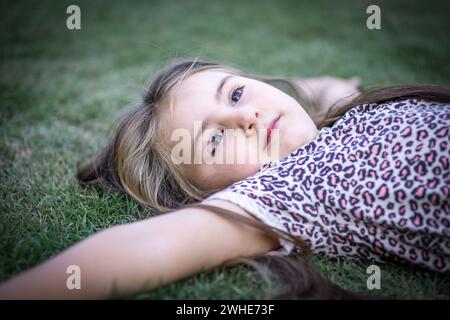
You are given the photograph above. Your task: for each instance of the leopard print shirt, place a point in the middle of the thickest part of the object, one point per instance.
(374, 186)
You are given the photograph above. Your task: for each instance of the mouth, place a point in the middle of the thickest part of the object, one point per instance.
(272, 125)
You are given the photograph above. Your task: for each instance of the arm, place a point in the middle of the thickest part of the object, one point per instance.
(325, 91)
(142, 255)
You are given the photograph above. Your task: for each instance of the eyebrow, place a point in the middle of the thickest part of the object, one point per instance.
(218, 94)
(221, 85)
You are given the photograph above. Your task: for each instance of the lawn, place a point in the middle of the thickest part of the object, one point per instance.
(61, 90)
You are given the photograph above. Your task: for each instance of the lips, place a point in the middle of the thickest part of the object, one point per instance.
(272, 125)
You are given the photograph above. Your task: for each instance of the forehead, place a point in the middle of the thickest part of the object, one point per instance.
(193, 98)
(199, 84)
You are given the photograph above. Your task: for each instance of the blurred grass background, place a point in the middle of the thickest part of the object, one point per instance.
(61, 90)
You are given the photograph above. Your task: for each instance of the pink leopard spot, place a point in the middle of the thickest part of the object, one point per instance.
(357, 213)
(432, 184)
(442, 132)
(420, 192)
(404, 173)
(439, 263)
(384, 164)
(375, 149)
(406, 132)
(417, 220)
(333, 180)
(343, 203)
(320, 194)
(434, 199)
(430, 157)
(397, 147)
(390, 136)
(422, 135)
(378, 212)
(383, 191)
(347, 140)
(368, 198)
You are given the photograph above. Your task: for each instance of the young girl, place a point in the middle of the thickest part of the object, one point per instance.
(367, 179)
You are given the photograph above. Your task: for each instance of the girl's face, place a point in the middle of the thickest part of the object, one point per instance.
(224, 127)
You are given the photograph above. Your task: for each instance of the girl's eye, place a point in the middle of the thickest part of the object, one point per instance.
(236, 94)
(215, 140)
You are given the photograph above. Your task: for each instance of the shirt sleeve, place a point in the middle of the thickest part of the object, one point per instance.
(260, 212)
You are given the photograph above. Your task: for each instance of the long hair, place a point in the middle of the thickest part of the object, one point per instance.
(137, 163)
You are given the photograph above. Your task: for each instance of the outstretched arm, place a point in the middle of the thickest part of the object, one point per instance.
(326, 91)
(140, 256)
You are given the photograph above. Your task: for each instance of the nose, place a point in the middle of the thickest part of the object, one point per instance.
(245, 118)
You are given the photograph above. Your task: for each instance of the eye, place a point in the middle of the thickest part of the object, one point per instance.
(215, 140)
(236, 95)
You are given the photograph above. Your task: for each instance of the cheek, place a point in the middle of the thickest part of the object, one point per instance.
(295, 137)
(239, 150)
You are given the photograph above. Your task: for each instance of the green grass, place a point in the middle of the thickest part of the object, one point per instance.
(61, 90)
